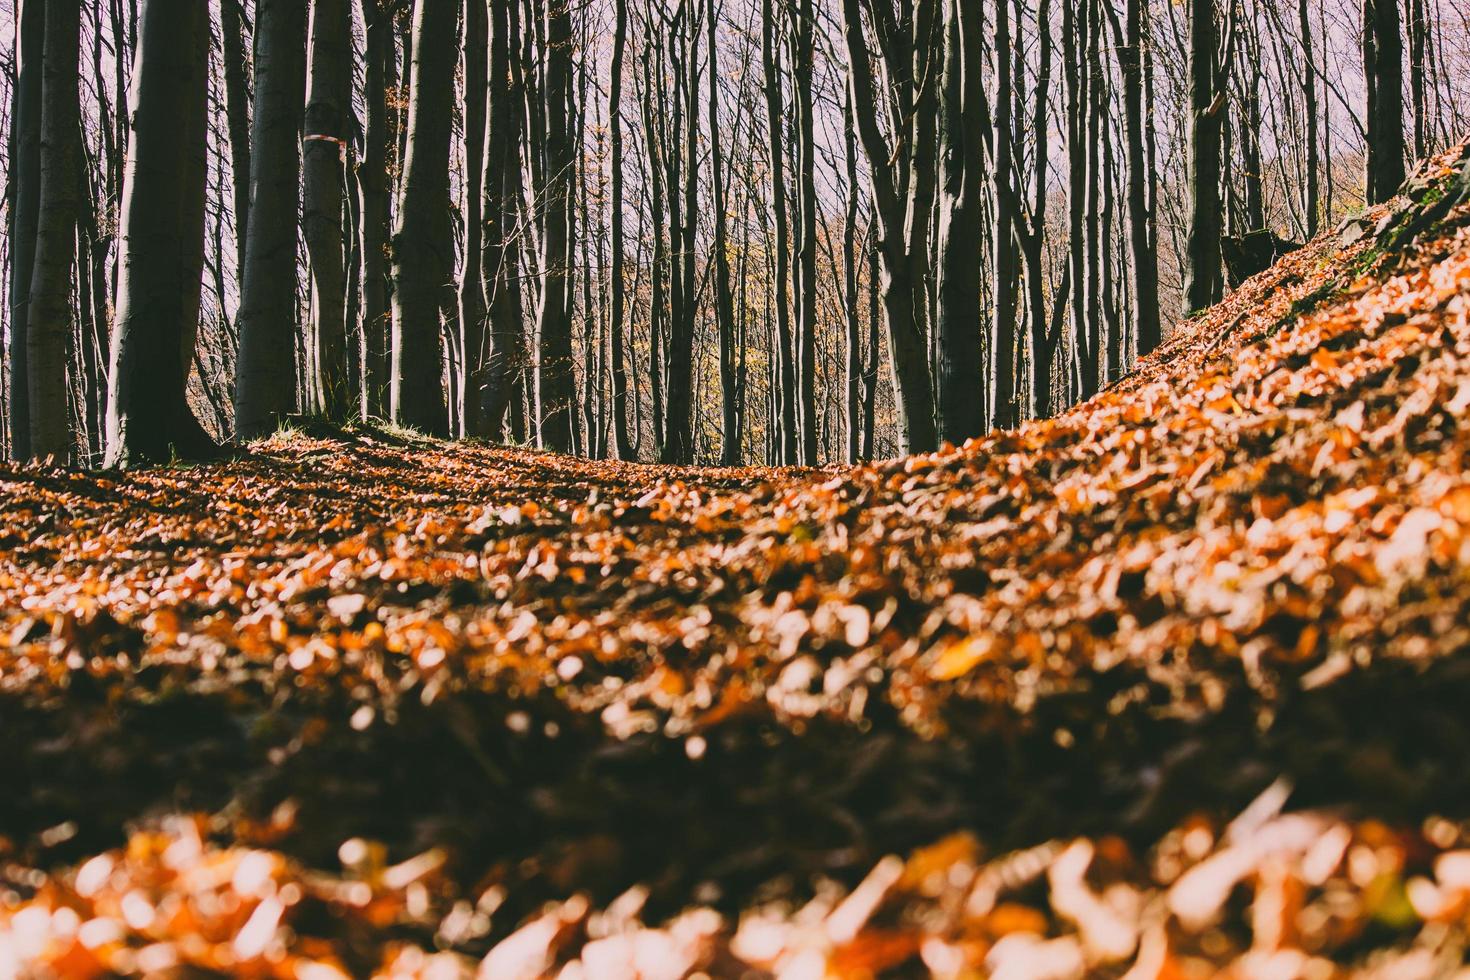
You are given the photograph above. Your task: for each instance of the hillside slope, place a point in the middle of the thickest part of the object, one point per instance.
(1173, 682)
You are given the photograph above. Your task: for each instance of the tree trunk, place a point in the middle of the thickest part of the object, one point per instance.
(421, 267)
(806, 292)
(1203, 285)
(323, 149)
(959, 401)
(724, 297)
(554, 392)
(471, 289)
(380, 143)
(1143, 259)
(25, 181)
(913, 385)
(621, 436)
(237, 117)
(50, 320)
(785, 343)
(162, 240)
(507, 354)
(1311, 194)
(1383, 66)
(265, 371)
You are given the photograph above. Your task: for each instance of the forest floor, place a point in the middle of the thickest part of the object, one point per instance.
(1173, 683)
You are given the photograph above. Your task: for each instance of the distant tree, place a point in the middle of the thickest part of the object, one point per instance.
(554, 393)
(162, 240)
(1204, 277)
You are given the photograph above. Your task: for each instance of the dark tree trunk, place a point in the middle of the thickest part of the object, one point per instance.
(237, 116)
(421, 265)
(959, 402)
(50, 319)
(785, 343)
(554, 394)
(621, 436)
(380, 144)
(265, 373)
(806, 291)
(507, 352)
(1142, 256)
(162, 240)
(724, 298)
(1203, 285)
(25, 180)
(1383, 65)
(471, 289)
(324, 147)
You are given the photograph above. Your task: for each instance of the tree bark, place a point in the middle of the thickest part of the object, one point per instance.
(724, 298)
(1203, 285)
(237, 117)
(50, 319)
(621, 436)
(785, 354)
(959, 402)
(421, 267)
(1383, 65)
(806, 292)
(471, 288)
(324, 147)
(1142, 255)
(265, 371)
(554, 392)
(380, 144)
(162, 240)
(25, 180)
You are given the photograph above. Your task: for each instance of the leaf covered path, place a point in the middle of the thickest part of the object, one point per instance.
(373, 703)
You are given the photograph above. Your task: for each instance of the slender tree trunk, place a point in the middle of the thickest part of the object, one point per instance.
(162, 240)
(806, 293)
(1143, 261)
(472, 311)
(896, 217)
(323, 150)
(25, 180)
(379, 144)
(554, 394)
(853, 378)
(724, 297)
(265, 371)
(1007, 214)
(1383, 65)
(50, 317)
(1311, 193)
(1203, 284)
(507, 352)
(959, 383)
(621, 436)
(237, 116)
(421, 266)
(785, 343)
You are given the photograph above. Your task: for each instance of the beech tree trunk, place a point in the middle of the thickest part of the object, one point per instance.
(421, 267)
(25, 180)
(237, 116)
(621, 436)
(471, 289)
(162, 240)
(554, 394)
(324, 147)
(1204, 285)
(959, 402)
(380, 141)
(50, 320)
(1383, 66)
(265, 387)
